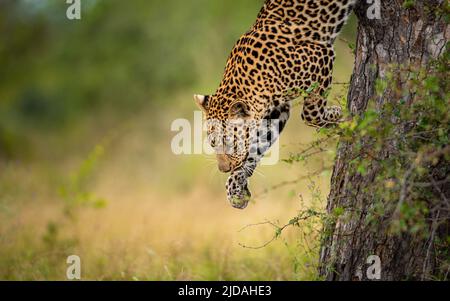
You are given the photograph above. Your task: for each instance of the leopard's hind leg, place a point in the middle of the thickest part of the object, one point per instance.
(316, 69)
(316, 113)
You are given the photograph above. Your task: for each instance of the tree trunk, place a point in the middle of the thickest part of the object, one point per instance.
(403, 38)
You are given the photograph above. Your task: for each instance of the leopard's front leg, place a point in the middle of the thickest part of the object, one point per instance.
(238, 193)
(265, 133)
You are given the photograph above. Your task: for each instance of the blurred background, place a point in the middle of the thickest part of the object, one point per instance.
(86, 166)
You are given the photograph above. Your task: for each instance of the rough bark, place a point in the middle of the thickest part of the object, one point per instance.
(402, 36)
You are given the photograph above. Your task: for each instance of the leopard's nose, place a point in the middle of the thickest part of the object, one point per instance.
(223, 163)
(224, 167)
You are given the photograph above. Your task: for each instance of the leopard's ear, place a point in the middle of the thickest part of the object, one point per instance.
(202, 101)
(239, 110)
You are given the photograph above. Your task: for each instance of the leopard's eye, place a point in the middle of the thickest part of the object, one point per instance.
(228, 139)
(211, 137)
(212, 142)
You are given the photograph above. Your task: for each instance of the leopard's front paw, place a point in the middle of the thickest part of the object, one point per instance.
(238, 193)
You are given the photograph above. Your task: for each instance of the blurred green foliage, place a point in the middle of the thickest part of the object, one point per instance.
(118, 57)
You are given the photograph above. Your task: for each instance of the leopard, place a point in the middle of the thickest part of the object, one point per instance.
(287, 51)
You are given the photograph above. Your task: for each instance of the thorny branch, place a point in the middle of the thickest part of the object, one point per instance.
(304, 215)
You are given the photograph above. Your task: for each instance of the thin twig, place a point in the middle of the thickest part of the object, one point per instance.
(279, 230)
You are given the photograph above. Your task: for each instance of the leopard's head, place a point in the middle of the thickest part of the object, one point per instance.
(229, 129)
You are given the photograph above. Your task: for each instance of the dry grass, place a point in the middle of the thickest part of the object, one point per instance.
(147, 236)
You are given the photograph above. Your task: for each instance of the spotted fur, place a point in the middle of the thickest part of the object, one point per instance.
(288, 50)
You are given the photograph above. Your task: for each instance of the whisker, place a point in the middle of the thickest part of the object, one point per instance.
(259, 173)
(213, 172)
(210, 159)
